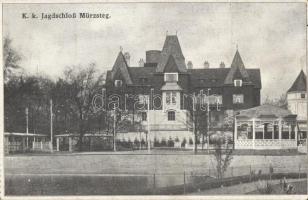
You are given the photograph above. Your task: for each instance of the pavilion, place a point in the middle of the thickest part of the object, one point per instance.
(265, 127)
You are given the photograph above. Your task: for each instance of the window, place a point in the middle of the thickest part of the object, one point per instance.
(238, 83)
(303, 95)
(171, 116)
(143, 80)
(238, 98)
(118, 83)
(170, 98)
(171, 77)
(144, 116)
(143, 99)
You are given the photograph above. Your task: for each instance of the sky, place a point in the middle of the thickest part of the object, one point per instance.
(269, 36)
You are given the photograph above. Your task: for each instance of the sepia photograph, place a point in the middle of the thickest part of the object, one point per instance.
(154, 98)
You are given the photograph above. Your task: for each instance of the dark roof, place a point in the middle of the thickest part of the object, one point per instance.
(209, 77)
(172, 47)
(139, 74)
(300, 84)
(215, 77)
(121, 65)
(237, 70)
(171, 66)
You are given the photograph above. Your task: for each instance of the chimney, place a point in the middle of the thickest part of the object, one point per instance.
(222, 65)
(127, 58)
(206, 65)
(141, 62)
(189, 65)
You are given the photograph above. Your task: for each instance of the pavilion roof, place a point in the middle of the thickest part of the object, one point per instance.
(266, 111)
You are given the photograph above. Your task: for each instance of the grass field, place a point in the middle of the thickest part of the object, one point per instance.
(116, 172)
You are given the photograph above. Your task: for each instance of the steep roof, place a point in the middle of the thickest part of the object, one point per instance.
(300, 84)
(237, 70)
(139, 73)
(264, 111)
(171, 65)
(121, 66)
(215, 77)
(172, 47)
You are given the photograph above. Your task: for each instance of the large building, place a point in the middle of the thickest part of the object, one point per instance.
(170, 83)
(297, 104)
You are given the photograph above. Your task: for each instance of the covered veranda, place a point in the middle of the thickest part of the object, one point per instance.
(265, 127)
(23, 142)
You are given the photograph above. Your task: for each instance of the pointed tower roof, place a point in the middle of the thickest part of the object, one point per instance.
(237, 70)
(121, 65)
(172, 47)
(171, 65)
(300, 84)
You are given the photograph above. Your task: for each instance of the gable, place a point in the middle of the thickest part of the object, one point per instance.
(171, 66)
(172, 47)
(120, 66)
(237, 70)
(300, 84)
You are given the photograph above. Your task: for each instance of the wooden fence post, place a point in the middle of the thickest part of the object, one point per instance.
(184, 183)
(299, 171)
(154, 184)
(249, 173)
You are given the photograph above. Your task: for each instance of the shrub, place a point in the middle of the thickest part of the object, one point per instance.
(265, 187)
(163, 143)
(183, 142)
(170, 142)
(156, 142)
(143, 142)
(191, 142)
(136, 142)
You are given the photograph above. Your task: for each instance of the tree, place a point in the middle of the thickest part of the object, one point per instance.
(198, 115)
(223, 157)
(11, 58)
(281, 101)
(27, 92)
(82, 84)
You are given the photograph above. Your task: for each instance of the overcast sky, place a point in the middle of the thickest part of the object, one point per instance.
(270, 36)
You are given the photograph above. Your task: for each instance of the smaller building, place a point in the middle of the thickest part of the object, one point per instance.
(265, 127)
(297, 104)
(23, 142)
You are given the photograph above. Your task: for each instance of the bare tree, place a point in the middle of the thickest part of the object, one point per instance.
(84, 83)
(11, 58)
(222, 156)
(281, 101)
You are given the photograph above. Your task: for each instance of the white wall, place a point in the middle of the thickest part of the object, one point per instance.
(297, 105)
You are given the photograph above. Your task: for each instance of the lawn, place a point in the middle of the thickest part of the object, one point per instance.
(49, 173)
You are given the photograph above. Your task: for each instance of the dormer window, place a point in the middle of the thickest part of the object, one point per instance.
(118, 83)
(238, 83)
(303, 95)
(171, 77)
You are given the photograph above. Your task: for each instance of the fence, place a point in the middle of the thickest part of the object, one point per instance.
(41, 146)
(193, 181)
(147, 183)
